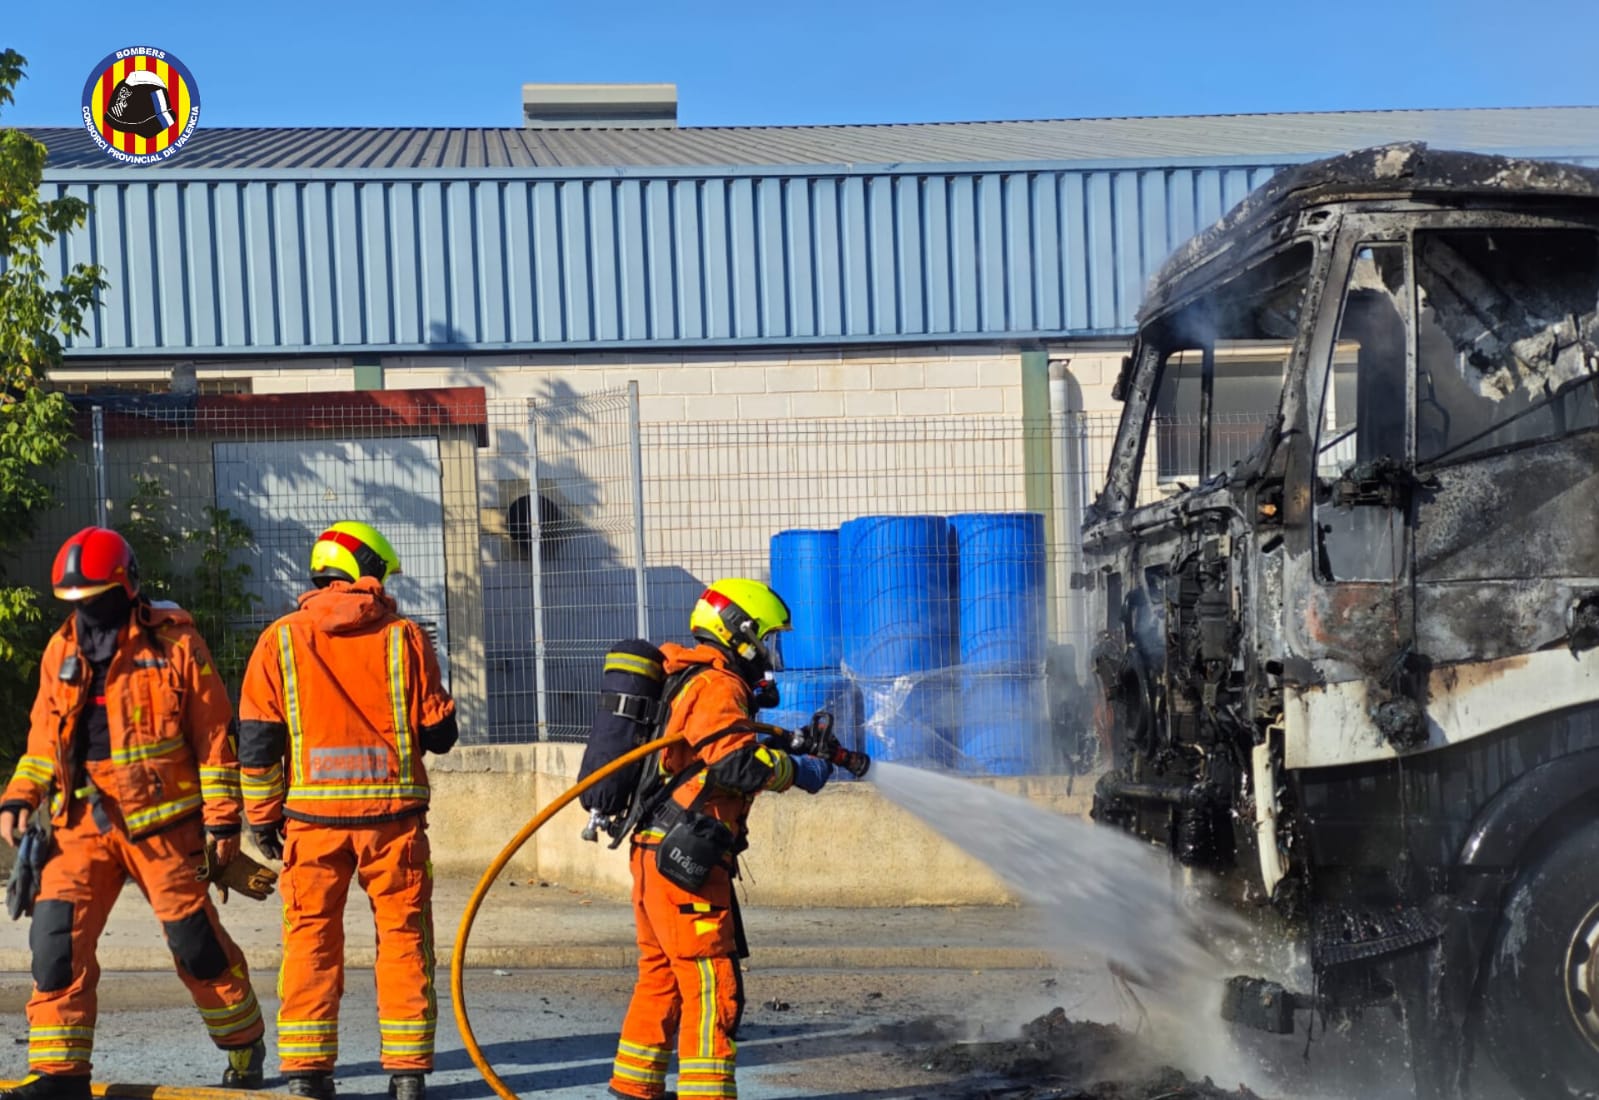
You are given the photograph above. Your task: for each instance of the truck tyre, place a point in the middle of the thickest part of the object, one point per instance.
(1540, 1005)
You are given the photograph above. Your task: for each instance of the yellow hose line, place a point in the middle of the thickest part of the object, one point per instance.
(458, 957)
(167, 1092)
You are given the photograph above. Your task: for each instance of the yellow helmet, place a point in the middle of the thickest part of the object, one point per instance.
(348, 551)
(742, 615)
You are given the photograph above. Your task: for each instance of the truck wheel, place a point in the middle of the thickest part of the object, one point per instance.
(1541, 1001)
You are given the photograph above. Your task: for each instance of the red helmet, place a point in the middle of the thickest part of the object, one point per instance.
(95, 560)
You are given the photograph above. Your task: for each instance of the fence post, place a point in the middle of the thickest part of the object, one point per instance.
(636, 447)
(535, 554)
(100, 509)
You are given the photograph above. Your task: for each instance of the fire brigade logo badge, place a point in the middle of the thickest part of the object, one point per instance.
(140, 105)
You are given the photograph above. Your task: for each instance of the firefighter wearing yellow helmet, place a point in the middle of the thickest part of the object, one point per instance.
(746, 618)
(689, 995)
(341, 699)
(349, 551)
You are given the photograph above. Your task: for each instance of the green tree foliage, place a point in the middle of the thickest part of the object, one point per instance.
(38, 310)
(197, 568)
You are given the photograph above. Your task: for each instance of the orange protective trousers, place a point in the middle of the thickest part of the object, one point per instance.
(690, 992)
(390, 860)
(79, 885)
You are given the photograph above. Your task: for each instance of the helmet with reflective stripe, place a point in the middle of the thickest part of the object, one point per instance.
(741, 615)
(95, 560)
(349, 551)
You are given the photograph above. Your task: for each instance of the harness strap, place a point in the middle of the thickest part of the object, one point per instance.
(638, 708)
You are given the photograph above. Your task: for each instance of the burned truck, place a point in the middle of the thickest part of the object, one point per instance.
(1345, 577)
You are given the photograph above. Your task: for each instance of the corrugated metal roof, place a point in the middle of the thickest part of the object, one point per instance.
(1529, 129)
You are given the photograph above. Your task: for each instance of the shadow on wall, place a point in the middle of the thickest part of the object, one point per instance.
(585, 578)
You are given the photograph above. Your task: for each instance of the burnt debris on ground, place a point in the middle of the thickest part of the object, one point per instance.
(1054, 1058)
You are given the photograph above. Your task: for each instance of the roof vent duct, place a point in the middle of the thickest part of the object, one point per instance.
(599, 106)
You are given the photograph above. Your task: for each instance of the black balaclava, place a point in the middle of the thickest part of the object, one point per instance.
(100, 622)
(100, 619)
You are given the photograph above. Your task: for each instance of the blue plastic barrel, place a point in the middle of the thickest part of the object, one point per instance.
(805, 573)
(1005, 722)
(911, 719)
(896, 577)
(1000, 569)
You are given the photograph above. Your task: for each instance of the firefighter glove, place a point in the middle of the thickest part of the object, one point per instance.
(269, 838)
(241, 873)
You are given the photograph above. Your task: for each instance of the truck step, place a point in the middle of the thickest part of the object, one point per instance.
(1347, 933)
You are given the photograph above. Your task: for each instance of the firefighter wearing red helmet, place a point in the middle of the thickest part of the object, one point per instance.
(130, 762)
(341, 698)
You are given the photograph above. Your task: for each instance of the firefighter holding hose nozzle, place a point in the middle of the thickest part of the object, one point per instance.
(687, 828)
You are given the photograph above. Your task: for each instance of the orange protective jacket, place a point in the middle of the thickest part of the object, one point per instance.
(169, 720)
(340, 699)
(712, 711)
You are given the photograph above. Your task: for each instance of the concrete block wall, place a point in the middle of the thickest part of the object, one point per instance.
(876, 854)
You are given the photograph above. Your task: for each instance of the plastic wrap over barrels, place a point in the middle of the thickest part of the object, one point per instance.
(896, 579)
(1000, 571)
(1004, 721)
(805, 573)
(911, 719)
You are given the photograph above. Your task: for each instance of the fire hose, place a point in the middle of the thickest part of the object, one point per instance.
(855, 762)
(473, 903)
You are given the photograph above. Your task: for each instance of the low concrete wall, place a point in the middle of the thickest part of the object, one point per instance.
(846, 845)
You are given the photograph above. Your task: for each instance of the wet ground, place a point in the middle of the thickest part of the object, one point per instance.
(807, 1035)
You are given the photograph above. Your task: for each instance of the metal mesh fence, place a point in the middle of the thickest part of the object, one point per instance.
(928, 562)
(535, 533)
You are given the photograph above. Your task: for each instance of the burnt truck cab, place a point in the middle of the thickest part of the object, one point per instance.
(1348, 662)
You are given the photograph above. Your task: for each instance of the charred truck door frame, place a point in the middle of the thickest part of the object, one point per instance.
(1356, 677)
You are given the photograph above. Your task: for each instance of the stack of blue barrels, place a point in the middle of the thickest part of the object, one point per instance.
(805, 571)
(924, 635)
(898, 577)
(1001, 580)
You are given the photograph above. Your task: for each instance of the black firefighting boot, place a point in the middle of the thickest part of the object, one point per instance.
(49, 1086)
(407, 1086)
(318, 1085)
(245, 1066)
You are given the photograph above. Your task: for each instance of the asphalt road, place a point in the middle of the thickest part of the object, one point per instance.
(830, 1034)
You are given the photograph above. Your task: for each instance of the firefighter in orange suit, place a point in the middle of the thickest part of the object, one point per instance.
(129, 759)
(689, 994)
(341, 699)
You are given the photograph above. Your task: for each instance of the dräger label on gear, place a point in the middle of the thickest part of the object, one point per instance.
(140, 105)
(691, 848)
(690, 869)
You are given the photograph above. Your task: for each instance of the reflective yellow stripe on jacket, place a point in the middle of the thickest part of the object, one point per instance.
(36, 769)
(291, 702)
(217, 784)
(161, 813)
(124, 757)
(402, 721)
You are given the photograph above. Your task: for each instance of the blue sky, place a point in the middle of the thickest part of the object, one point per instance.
(462, 63)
